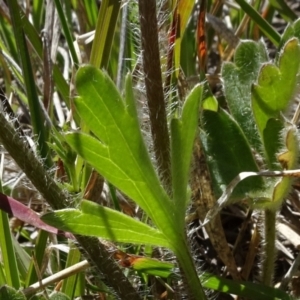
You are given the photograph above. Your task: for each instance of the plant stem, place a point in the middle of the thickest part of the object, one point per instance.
(190, 276)
(269, 247)
(154, 89)
(58, 199)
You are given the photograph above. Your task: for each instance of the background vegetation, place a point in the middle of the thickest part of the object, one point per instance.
(150, 149)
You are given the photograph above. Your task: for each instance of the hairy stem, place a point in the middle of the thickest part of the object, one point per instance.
(190, 277)
(154, 89)
(269, 247)
(58, 199)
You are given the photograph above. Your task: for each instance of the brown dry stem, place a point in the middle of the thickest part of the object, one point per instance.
(204, 200)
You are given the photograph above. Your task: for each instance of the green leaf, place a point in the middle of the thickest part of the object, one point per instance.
(153, 267)
(209, 101)
(272, 142)
(285, 11)
(292, 30)
(105, 29)
(263, 25)
(96, 220)
(121, 156)
(183, 133)
(59, 296)
(247, 289)
(228, 152)
(276, 88)
(276, 85)
(289, 160)
(8, 293)
(71, 283)
(238, 78)
(67, 32)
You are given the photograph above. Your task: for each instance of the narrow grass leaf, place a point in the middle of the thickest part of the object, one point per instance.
(263, 25)
(70, 283)
(105, 30)
(34, 105)
(67, 32)
(8, 253)
(283, 8)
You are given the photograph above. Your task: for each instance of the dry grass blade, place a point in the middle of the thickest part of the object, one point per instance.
(204, 200)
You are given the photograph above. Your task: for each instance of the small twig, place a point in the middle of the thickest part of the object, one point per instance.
(32, 289)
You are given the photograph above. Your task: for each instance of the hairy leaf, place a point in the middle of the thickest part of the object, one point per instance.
(183, 133)
(238, 78)
(96, 220)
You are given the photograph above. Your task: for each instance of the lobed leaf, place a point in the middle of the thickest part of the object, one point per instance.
(274, 91)
(238, 78)
(291, 31)
(120, 155)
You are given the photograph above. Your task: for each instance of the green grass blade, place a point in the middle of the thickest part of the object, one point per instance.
(7, 37)
(39, 250)
(264, 26)
(67, 32)
(286, 12)
(70, 284)
(8, 253)
(105, 30)
(34, 105)
(6, 245)
(92, 12)
(23, 260)
(38, 10)
(36, 43)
